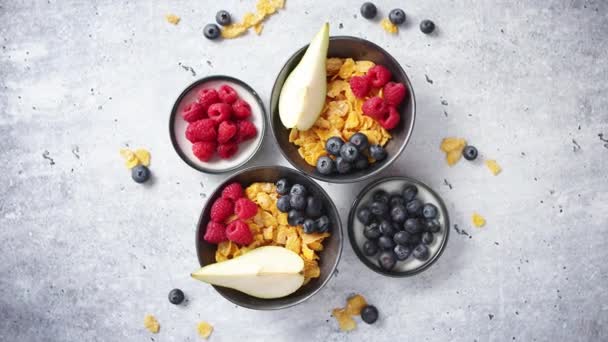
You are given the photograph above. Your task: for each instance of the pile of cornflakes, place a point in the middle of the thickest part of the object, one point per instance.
(344, 316)
(264, 8)
(342, 115)
(270, 228)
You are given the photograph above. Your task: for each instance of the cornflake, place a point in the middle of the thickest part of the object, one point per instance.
(478, 220)
(172, 19)
(151, 324)
(388, 26)
(204, 329)
(493, 166)
(264, 8)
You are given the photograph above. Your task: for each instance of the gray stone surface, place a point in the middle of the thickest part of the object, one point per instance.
(85, 252)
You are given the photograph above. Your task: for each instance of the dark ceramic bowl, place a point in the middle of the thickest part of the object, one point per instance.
(358, 49)
(410, 266)
(329, 257)
(177, 125)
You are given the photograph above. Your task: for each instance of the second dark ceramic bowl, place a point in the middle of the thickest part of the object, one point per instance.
(358, 49)
(329, 257)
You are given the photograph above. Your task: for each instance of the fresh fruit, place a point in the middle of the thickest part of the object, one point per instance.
(386, 228)
(246, 131)
(409, 192)
(194, 111)
(379, 75)
(360, 141)
(381, 196)
(303, 94)
(427, 26)
(282, 186)
(368, 10)
(211, 31)
(204, 150)
(370, 248)
(343, 166)
(396, 200)
(361, 163)
(386, 243)
(396, 16)
(372, 231)
(309, 226)
(364, 215)
(398, 213)
(298, 189)
(223, 18)
(241, 109)
(375, 107)
(401, 237)
(227, 94)
(227, 150)
(402, 252)
(369, 314)
(427, 238)
(349, 152)
(207, 97)
(220, 112)
(387, 260)
(202, 130)
(415, 239)
(334, 145)
(377, 152)
(176, 296)
(360, 86)
(221, 209)
(283, 204)
(379, 208)
(226, 131)
(391, 120)
(325, 165)
(215, 232)
(322, 224)
(314, 207)
(245, 208)
(394, 93)
(469, 152)
(429, 211)
(239, 232)
(414, 207)
(297, 202)
(265, 272)
(412, 225)
(233, 191)
(295, 217)
(140, 173)
(432, 225)
(421, 252)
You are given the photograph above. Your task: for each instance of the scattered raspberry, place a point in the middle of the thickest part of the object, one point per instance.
(241, 109)
(194, 111)
(245, 208)
(221, 209)
(227, 94)
(201, 130)
(360, 86)
(226, 131)
(375, 107)
(379, 75)
(391, 120)
(227, 150)
(215, 233)
(204, 150)
(246, 131)
(239, 232)
(394, 93)
(207, 97)
(220, 112)
(233, 191)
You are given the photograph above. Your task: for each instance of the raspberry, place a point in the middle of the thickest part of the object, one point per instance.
(245, 208)
(221, 209)
(247, 130)
(201, 130)
(204, 150)
(378, 75)
(215, 233)
(239, 232)
(226, 131)
(194, 111)
(207, 97)
(392, 119)
(227, 94)
(233, 191)
(375, 107)
(394, 93)
(227, 150)
(360, 86)
(241, 109)
(219, 112)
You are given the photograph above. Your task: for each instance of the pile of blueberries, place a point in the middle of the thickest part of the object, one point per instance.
(349, 156)
(302, 208)
(397, 226)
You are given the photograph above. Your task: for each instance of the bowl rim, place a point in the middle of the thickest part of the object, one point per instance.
(332, 207)
(357, 249)
(180, 98)
(408, 136)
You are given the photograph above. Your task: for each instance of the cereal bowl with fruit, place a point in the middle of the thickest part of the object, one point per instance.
(268, 238)
(217, 124)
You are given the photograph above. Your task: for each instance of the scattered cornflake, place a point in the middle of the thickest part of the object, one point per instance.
(478, 220)
(493, 166)
(453, 149)
(388, 26)
(258, 28)
(143, 156)
(355, 304)
(204, 329)
(345, 321)
(132, 159)
(264, 8)
(151, 324)
(172, 19)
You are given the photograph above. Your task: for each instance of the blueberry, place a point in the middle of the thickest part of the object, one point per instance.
(386, 228)
(396, 16)
(414, 207)
(415, 239)
(387, 260)
(402, 252)
(412, 225)
(176, 296)
(295, 217)
(361, 163)
(343, 166)
(282, 186)
(401, 237)
(386, 243)
(370, 248)
(297, 202)
(372, 231)
(283, 203)
(427, 26)
(421, 252)
(432, 225)
(364, 215)
(429, 211)
(211, 31)
(223, 18)
(322, 224)
(360, 141)
(325, 165)
(469, 152)
(349, 152)
(314, 207)
(381, 196)
(298, 189)
(368, 10)
(398, 214)
(333, 146)
(427, 238)
(377, 152)
(397, 227)
(369, 314)
(140, 173)
(409, 192)
(396, 200)
(379, 208)
(309, 226)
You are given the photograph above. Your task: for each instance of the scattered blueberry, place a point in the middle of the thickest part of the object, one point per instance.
(412, 225)
(343, 166)
(211, 31)
(372, 231)
(223, 18)
(282, 186)
(325, 165)
(322, 224)
(140, 173)
(409, 192)
(386, 228)
(295, 217)
(381, 196)
(427, 238)
(421, 252)
(429, 211)
(333, 146)
(396, 16)
(369, 314)
(414, 207)
(298, 189)
(469, 152)
(401, 237)
(396, 200)
(364, 215)
(314, 207)
(398, 214)
(402, 252)
(297, 202)
(309, 226)
(370, 248)
(360, 141)
(377, 152)
(386, 243)
(283, 204)
(349, 152)
(176, 296)
(387, 260)
(379, 208)
(432, 225)
(368, 10)
(427, 26)
(361, 163)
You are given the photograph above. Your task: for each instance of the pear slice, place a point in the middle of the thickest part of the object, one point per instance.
(303, 94)
(265, 272)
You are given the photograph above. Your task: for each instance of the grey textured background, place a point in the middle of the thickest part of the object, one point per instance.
(85, 252)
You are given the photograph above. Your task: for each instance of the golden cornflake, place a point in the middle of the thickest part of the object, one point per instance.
(151, 324)
(204, 329)
(493, 166)
(355, 304)
(345, 321)
(453, 149)
(264, 8)
(132, 159)
(478, 220)
(388, 26)
(172, 19)
(143, 156)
